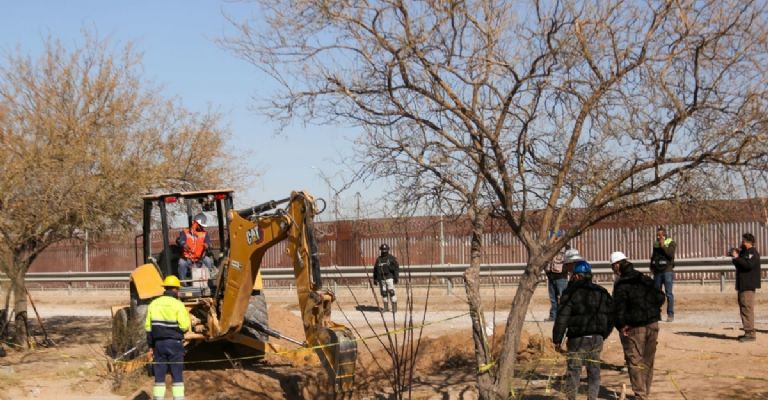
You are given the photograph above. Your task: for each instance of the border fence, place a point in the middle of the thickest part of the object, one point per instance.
(428, 248)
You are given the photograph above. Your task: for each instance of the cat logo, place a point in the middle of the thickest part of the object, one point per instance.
(254, 235)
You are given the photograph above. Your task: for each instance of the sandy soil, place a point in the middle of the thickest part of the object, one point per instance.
(698, 356)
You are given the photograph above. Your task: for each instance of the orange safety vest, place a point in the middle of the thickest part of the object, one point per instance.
(194, 244)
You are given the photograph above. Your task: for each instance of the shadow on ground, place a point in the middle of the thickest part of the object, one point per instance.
(364, 308)
(707, 335)
(72, 330)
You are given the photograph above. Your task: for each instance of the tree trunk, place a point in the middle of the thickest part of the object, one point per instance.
(508, 357)
(21, 335)
(483, 354)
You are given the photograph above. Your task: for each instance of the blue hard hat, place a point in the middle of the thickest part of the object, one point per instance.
(582, 267)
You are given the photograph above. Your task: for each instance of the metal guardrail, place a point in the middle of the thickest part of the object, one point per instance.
(720, 264)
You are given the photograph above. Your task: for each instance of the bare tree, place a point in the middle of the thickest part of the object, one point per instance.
(595, 106)
(82, 135)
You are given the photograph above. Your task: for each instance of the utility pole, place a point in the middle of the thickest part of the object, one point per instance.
(442, 241)
(357, 211)
(86, 250)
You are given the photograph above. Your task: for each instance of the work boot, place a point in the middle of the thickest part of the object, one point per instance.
(670, 318)
(749, 337)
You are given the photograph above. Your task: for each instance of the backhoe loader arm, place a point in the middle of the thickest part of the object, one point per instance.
(251, 235)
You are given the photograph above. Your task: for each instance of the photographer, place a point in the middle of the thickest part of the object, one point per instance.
(747, 263)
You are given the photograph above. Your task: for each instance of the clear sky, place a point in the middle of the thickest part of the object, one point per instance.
(177, 39)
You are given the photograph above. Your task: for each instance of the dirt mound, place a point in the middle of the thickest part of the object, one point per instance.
(451, 351)
(535, 347)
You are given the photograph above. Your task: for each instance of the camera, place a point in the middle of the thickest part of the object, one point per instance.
(731, 250)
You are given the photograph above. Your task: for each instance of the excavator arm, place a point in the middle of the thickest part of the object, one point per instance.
(252, 232)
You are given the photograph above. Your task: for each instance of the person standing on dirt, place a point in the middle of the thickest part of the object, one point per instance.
(194, 243)
(167, 320)
(747, 263)
(386, 272)
(557, 280)
(636, 313)
(585, 312)
(662, 266)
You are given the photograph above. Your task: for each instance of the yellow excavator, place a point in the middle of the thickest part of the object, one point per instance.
(229, 304)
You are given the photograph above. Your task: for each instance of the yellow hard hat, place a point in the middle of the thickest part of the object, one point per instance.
(171, 281)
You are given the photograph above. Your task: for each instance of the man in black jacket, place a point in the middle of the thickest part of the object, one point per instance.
(585, 313)
(386, 273)
(637, 311)
(747, 263)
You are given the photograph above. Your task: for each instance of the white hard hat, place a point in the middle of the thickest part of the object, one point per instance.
(201, 219)
(617, 256)
(571, 256)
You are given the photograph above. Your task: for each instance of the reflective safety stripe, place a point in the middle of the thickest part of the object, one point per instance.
(178, 391)
(167, 312)
(167, 324)
(158, 391)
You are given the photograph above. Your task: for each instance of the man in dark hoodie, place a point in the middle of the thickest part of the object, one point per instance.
(637, 311)
(585, 313)
(747, 263)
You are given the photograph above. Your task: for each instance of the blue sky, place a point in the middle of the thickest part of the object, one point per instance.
(177, 39)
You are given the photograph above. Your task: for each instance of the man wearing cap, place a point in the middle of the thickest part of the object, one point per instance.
(557, 280)
(167, 320)
(585, 312)
(636, 313)
(194, 243)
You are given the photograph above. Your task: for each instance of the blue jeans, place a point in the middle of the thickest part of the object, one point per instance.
(583, 350)
(556, 288)
(184, 265)
(666, 279)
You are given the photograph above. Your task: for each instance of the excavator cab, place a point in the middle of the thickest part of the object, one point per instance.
(165, 216)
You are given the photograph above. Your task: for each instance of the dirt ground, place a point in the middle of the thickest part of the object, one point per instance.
(698, 355)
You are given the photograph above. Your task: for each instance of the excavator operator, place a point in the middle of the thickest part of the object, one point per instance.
(386, 272)
(194, 243)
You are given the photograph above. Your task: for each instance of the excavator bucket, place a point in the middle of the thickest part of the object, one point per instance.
(337, 351)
